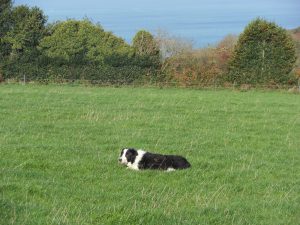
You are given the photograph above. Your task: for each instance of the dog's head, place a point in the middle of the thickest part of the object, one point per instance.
(127, 155)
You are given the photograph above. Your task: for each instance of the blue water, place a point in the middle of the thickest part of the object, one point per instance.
(202, 22)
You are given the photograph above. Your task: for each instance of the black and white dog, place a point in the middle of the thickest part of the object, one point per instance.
(140, 159)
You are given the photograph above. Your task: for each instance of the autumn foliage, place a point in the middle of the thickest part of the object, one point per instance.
(201, 67)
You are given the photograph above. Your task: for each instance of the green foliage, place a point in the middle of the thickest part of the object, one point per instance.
(24, 29)
(91, 73)
(70, 50)
(28, 27)
(5, 16)
(144, 43)
(63, 43)
(5, 23)
(82, 50)
(264, 53)
(74, 42)
(146, 49)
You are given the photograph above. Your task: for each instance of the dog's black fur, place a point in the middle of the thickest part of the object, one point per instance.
(131, 154)
(158, 161)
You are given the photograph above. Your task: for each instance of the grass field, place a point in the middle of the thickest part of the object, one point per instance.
(59, 147)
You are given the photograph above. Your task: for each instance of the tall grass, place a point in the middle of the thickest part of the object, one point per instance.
(59, 147)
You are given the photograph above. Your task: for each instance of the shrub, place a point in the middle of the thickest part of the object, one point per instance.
(198, 67)
(146, 50)
(224, 51)
(264, 53)
(204, 67)
(82, 42)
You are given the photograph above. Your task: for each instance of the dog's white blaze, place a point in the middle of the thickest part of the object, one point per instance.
(138, 158)
(123, 158)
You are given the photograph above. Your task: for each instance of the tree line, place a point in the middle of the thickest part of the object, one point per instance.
(82, 50)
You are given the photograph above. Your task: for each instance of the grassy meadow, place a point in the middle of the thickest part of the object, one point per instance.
(59, 147)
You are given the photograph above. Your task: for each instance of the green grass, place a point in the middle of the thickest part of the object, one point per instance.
(59, 147)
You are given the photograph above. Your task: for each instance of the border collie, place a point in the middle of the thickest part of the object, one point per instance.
(140, 159)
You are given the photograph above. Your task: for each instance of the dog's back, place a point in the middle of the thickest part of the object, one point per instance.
(165, 162)
(179, 162)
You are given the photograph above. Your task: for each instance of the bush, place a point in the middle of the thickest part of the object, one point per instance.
(92, 73)
(146, 50)
(204, 67)
(82, 42)
(264, 53)
(193, 68)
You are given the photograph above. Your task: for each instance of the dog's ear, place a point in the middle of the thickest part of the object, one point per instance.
(122, 151)
(131, 155)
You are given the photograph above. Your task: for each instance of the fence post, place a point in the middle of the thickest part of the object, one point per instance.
(24, 79)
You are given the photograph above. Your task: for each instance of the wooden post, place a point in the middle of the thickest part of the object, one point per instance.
(263, 58)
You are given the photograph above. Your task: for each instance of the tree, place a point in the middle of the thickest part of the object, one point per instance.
(264, 53)
(5, 21)
(296, 37)
(224, 51)
(146, 49)
(27, 29)
(5, 11)
(170, 45)
(73, 42)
